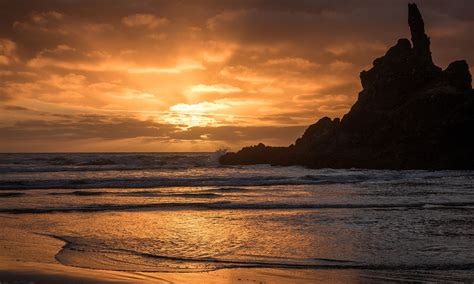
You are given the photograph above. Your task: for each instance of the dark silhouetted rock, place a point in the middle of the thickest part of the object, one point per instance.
(421, 42)
(410, 114)
(458, 75)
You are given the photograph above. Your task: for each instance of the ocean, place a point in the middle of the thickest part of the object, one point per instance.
(183, 212)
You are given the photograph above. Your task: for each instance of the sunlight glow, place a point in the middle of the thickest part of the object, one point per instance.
(217, 88)
(186, 121)
(173, 70)
(198, 108)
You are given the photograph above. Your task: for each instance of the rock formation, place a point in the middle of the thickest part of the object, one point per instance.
(410, 114)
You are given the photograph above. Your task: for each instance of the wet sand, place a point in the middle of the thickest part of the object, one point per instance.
(34, 272)
(27, 257)
(30, 257)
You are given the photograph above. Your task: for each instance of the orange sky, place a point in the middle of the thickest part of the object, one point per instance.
(194, 75)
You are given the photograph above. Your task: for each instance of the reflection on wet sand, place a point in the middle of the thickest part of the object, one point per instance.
(226, 246)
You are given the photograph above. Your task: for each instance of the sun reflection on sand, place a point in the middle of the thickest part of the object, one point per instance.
(192, 234)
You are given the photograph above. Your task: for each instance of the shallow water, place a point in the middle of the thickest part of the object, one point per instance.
(183, 212)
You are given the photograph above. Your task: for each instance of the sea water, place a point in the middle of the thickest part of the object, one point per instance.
(183, 212)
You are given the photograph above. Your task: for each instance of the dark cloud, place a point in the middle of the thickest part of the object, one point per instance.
(343, 88)
(4, 96)
(15, 108)
(85, 127)
(80, 127)
(233, 133)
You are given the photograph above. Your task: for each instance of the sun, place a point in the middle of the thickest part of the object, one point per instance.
(186, 121)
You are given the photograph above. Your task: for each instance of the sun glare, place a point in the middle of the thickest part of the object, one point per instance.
(185, 121)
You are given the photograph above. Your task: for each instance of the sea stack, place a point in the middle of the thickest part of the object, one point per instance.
(410, 114)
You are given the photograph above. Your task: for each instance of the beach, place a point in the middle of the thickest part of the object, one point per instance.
(30, 258)
(183, 218)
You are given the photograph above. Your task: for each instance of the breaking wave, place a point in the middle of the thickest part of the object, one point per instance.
(227, 205)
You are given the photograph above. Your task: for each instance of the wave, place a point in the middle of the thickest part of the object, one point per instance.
(227, 183)
(25, 163)
(137, 193)
(152, 182)
(196, 195)
(81, 193)
(227, 189)
(227, 205)
(143, 193)
(77, 252)
(11, 194)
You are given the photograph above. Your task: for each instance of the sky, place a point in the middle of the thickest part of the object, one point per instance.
(151, 75)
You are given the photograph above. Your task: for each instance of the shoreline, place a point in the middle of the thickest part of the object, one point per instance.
(29, 257)
(34, 272)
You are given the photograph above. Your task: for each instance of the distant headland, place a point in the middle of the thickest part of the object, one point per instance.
(411, 114)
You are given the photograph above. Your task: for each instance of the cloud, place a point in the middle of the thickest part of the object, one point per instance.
(4, 60)
(7, 47)
(215, 113)
(198, 108)
(47, 22)
(218, 51)
(44, 17)
(332, 108)
(234, 133)
(340, 65)
(245, 74)
(181, 67)
(7, 51)
(81, 127)
(5, 73)
(216, 88)
(291, 62)
(66, 57)
(144, 20)
(70, 81)
(85, 127)
(345, 48)
(15, 108)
